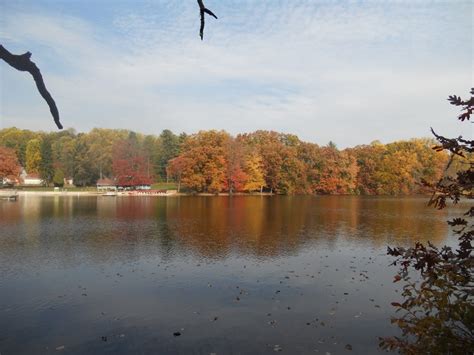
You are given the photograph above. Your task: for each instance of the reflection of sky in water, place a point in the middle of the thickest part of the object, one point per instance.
(138, 269)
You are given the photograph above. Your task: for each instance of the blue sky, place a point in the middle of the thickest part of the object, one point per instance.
(350, 72)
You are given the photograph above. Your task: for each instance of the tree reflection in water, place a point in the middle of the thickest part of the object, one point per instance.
(300, 272)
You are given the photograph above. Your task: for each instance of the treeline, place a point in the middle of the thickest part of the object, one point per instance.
(86, 157)
(215, 161)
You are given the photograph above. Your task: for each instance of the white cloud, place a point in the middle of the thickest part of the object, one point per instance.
(325, 72)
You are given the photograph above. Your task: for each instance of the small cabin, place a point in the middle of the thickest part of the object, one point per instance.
(32, 179)
(69, 181)
(104, 185)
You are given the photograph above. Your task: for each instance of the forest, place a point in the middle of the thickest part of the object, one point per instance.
(215, 161)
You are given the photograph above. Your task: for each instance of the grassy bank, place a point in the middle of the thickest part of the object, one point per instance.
(164, 186)
(156, 186)
(51, 189)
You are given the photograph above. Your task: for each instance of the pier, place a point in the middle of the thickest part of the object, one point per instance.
(9, 195)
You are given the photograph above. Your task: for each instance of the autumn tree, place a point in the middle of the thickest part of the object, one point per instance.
(397, 168)
(235, 175)
(58, 178)
(205, 155)
(148, 146)
(100, 146)
(17, 139)
(333, 171)
(129, 163)
(433, 163)
(268, 145)
(9, 166)
(368, 159)
(46, 168)
(253, 168)
(283, 170)
(175, 169)
(33, 156)
(293, 174)
(310, 155)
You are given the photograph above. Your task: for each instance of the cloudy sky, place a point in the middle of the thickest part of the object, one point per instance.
(350, 72)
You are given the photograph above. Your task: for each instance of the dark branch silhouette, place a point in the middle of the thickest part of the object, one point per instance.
(467, 105)
(23, 62)
(203, 10)
(437, 310)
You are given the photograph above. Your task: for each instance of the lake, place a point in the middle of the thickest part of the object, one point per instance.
(204, 275)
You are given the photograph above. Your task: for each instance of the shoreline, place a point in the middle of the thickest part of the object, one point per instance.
(173, 194)
(127, 194)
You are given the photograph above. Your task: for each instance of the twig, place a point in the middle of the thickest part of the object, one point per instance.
(203, 10)
(22, 62)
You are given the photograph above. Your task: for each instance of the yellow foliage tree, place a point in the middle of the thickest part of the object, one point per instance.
(254, 170)
(33, 155)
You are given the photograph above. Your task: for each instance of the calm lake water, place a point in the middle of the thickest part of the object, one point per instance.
(232, 275)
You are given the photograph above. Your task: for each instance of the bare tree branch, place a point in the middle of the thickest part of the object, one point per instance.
(203, 10)
(22, 62)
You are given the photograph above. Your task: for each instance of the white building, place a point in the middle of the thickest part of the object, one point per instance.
(32, 180)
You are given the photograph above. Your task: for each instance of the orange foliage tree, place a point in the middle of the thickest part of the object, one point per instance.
(253, 168)
(205, 168)
(9, 167)
(336, 173)
(236, 177)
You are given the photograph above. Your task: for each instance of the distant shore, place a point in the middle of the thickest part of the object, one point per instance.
(128, 194)
(90, 193)
(58, 193)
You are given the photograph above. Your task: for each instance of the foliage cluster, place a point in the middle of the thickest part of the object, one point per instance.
(437, 313)
(9, 167)
(129, 163)
(86, 157)
(215, 161)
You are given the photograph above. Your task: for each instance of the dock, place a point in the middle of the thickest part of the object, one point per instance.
(9, 195)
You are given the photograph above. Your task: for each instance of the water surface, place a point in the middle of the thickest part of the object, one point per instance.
(232, 275)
